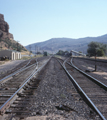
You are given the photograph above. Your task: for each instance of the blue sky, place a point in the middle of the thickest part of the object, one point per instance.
(34, 21)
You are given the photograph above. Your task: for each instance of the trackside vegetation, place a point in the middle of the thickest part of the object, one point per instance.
(63, 53)
(96, 49)
(11, 45)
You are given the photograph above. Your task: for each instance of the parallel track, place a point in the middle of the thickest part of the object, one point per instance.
(8, 87)
(14, 92)
(94, 94)
(28, 65)
(89, 67)
(24, 92)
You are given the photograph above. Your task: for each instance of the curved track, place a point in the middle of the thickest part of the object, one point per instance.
(89, 67)
(94, 94)
(22, 97)
(52, 93)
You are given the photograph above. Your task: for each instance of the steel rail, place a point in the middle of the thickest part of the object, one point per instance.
(89, 76)
(28, 62)
(65, 62)
(16, 72)
(79, 89)
(8, 102)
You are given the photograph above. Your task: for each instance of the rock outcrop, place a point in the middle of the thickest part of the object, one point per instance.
(4, 29)
(6, 39)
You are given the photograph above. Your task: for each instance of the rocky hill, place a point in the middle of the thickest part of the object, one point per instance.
(4, 29)
(6, 39)
(55, 44)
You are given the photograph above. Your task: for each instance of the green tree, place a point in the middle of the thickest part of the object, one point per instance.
(63, 53)
(45, 54)
(67, 54)
(60, 52)
(100, 52)
(95, 48)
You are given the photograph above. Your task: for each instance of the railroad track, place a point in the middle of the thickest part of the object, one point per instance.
(16, 68)
(94, 93)
(22, 107)
(26, 66)
(11, 83)
(89, 67)
(21, 100)
(13, 88)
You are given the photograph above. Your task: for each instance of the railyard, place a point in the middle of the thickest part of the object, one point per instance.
(43, 90)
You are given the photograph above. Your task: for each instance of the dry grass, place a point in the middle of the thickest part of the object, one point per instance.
(57, 56)
(25, 53)
(39, 55)
(2, 62)
(104, 57)
(29, 57)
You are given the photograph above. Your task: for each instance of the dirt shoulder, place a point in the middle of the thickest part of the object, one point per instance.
(9, 65)
(86, 65)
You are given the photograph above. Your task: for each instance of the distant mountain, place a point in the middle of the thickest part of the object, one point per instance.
(55, 44)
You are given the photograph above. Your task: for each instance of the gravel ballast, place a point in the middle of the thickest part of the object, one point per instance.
(56, 97)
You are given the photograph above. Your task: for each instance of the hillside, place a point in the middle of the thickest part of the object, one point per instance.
(55, 44)
(6, 39)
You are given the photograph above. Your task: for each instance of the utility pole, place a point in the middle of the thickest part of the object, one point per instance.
(1, 46)
(29, 50)
(38, 49)
(106, 49)
(95, 59)
(95, 63)
(52, 47)
(35, 50)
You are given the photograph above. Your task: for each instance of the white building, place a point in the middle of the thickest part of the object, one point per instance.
(11, 54)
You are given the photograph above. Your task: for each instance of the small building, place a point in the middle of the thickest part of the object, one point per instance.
(10, 54)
